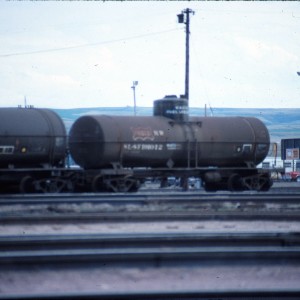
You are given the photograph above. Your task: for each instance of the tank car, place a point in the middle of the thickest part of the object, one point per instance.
(222, 151)
(29, 139)
(117, 153)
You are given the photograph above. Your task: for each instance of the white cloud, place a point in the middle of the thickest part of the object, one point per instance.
(270, 54)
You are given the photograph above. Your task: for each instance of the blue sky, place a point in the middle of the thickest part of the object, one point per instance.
(87, 54)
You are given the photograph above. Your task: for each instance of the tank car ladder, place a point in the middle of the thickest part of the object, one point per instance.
(192, 146)
(192, 154)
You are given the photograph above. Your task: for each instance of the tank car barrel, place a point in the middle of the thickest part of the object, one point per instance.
(99, 141)
(31, 137)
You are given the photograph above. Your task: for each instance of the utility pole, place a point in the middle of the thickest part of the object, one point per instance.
(134, 84)
(184, 17)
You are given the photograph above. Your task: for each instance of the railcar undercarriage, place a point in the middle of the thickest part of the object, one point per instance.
(129, 180)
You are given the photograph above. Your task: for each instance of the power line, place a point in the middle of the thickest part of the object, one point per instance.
(89, 44)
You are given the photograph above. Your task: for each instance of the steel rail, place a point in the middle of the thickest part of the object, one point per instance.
(75, 241)
(144, 198)
(153, 248)
(146, 217)
(259, 294)
(157, 257)
(158, 199)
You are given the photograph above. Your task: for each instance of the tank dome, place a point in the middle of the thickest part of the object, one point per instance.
(171, 107)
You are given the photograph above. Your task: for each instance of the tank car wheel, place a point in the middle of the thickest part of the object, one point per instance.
(26, 185)
(235, 183)
(131, 184)
(98, 184)
(53, 185)
(79, 183)
(258, 183)
(266, 185)
(122, 184)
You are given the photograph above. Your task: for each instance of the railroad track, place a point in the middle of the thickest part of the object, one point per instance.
(147, 207)
(171, 295)
(252, 256)
(77, 218)
(141, 196)
(14, 245)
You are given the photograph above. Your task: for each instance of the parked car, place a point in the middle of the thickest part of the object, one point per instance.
(295, 176)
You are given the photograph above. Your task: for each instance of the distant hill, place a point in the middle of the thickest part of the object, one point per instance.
(282, 123)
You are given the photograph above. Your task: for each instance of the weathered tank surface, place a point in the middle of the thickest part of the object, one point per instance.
(231, 141)
(97, 141)
(31, 137)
